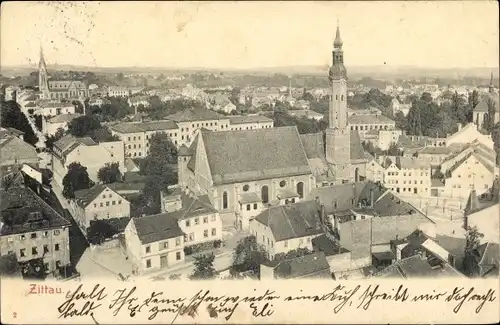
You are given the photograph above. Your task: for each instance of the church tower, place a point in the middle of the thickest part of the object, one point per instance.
(491, 88)
(338, 135)
(43, 84)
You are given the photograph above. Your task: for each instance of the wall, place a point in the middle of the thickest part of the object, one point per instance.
(13, 243)
(213, 222)
(340, 262)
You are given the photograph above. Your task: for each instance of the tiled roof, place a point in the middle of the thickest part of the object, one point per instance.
(390, 205)
(85, 197)
(356, 152)
(369, 119)
(248, 119)
(156, 227)
(137, 127)
(292, 220)
(23, 211)
(250, 197)
(62, 118)
(237, 156)
(312, 265)
(314, 145)
(435, 151)
(195, 114)
(328, 247)
(193, 206)
(411, 163)
(13, 148)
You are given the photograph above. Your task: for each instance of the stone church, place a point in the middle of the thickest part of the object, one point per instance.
(245, 171)
(58, 89)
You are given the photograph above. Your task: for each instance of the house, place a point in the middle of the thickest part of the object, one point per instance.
(481, 111)
(136, 101)
(118, 92)
(222, 103)
(469, 134)
(364, 123)
(365, 216)
(282, 229)
(99, 202)
(311, 266)
(88, 153)
(312, 115)
(195, 215)
(98, 101)
(415, 267)
(482, 213)
(6, 132)
(51, 125)
(408, 176)
(484, 261)
(154, 242)
(31, 229)
(396, 107)
(374, 170)
(242, 122)
(225, 165)
(14, 152)
(49, 108)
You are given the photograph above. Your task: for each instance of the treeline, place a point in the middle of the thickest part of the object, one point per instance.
(12, 117)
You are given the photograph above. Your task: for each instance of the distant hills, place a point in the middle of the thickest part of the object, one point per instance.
(355, 72)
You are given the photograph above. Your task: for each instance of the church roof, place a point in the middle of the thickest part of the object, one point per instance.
(244, 155)
(356, 151)
(292, 220)
(482, 106)
(313, 144)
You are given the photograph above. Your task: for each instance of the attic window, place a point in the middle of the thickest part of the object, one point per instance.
(246, 187)
(282, 183)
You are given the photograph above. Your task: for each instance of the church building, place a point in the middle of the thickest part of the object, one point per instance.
(246, 171)
(58, 89)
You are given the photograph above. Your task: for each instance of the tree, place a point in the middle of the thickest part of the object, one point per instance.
(292, 254)
(438, 174)
(99, 231)
(103, 134)
(51, 139)
(110, 173)
(83, 125)
(472, 242)
(401, 121)
(203, 267)
(157, 167)
(393, 150)
(414, 121)
(249, 255)
(490, 121)
(495, 135)
(12, 117)
(76, 179)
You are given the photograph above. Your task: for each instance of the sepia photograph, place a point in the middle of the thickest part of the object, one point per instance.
(147, 145)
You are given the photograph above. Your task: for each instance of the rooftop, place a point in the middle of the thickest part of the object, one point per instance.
(242, 119)
(23, 211)
(292, 220)
(156, 228)
(194, 114)
(139, 127)
(369, 119)
(312, 265)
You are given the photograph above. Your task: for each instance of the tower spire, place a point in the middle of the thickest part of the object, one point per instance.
(491, 88)
(338, 41)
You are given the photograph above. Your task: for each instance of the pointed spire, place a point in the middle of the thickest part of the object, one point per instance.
(492, 88)
(472, 203)
(41, 52)
(338, 41)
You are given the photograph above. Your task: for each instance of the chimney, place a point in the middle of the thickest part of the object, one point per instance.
(371, 198)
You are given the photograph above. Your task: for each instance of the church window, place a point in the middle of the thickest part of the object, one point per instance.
(265, 194)
(282, 183)
(224, 200)
(300, 189)
(336, 97)
(246, 187)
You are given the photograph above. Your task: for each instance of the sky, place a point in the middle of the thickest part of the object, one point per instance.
(250, 34)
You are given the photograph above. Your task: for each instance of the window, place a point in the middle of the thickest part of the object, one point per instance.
(224, 200)
(214, 231)
(45, 249)
(95, 205)
(282, 183)
(101, 205)
(188, 223)
(119, 201)
(148, 263)
(246, 187)
(33, 235)
(205, 219)
(113, 202)
(308, 239)
(214, 217)
(177, 242)
(56, 232)
(165, 245)
(109, 195)
(255, 206)
(196, 221)
(107, 203)
(104, 196)
(22, 252)
(205, 234)
(248, 207)
(56, 247)
(286, 243)
(191, 236)
(178, 256)
(148, 249)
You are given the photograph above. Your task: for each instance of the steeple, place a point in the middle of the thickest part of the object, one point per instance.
(338, 41)
(41, 64)
(492, 88)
